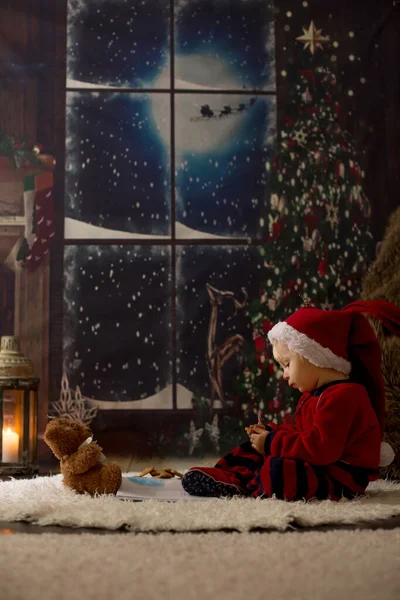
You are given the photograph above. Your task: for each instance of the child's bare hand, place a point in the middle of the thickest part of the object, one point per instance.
(258, 437)
(253, 428)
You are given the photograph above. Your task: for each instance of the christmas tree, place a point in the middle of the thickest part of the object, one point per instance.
(318, 245)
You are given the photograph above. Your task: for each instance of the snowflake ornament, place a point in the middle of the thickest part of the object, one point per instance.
(332, 214)
(213, 432)
(300, 137)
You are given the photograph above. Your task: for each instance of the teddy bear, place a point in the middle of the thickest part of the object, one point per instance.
(382, 282)
(81, 459)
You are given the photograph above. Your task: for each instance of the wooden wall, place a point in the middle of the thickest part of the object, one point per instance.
(32, 106)
(31, 306)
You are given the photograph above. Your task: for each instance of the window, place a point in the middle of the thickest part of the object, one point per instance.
(170, 126)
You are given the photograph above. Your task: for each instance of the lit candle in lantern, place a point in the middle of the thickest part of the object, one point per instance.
(10, 446)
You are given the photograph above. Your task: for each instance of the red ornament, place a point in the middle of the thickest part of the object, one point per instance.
(261, 358)
(323, 267)
(276, 230)
(259, 344)
(309, 75)
(311, 222)
(266, 326)
(356, 172)
(271, 369)
(275, 405)
(312, 110)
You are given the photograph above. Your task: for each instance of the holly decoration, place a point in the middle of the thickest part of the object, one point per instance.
(18, 151)
(318, 244)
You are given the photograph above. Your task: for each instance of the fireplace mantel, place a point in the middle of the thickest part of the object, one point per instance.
(31, 290)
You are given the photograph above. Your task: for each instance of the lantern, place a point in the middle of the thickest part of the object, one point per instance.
(18, 411)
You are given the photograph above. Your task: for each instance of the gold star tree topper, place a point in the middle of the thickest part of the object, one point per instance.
(312, 38)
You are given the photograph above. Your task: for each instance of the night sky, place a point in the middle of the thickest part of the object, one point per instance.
(117, 315)
(118, 162)
(227, 44)
(117, 172)
(119, 145)
(117, 42)
(222, 181)
(117, 325)
(236, 34)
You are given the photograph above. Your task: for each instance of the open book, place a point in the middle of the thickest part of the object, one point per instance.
(149, 488)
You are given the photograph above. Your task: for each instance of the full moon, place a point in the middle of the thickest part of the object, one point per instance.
(194, 133)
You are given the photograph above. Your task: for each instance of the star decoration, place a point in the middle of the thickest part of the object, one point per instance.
(312, 38)
(193, 437)
(332, 214)
(306, 302)
(213, 432)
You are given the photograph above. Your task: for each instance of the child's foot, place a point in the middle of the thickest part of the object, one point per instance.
(211, 482)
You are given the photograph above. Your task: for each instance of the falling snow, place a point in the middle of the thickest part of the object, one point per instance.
(105, 343)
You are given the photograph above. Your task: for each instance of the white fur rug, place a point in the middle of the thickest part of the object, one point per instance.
(45, 501)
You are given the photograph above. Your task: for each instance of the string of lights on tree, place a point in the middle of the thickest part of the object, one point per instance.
(317, 240)
(318, 244)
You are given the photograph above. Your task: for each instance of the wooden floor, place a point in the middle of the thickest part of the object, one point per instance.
(13, 528)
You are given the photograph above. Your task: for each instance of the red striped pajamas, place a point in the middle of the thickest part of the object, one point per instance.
(331, 452)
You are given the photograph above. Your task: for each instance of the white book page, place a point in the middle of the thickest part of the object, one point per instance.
(149, 488)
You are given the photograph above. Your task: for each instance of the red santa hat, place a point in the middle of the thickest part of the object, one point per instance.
(344, 340)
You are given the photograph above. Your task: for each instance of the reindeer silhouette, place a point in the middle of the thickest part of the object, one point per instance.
(217, 356)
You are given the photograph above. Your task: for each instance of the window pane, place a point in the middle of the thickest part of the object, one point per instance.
(223, 143)
(117, 314)
(122, 43)
(117, 169)
(212, 323)
(224, 44)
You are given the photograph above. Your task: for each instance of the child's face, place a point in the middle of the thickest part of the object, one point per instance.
(297, 371)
